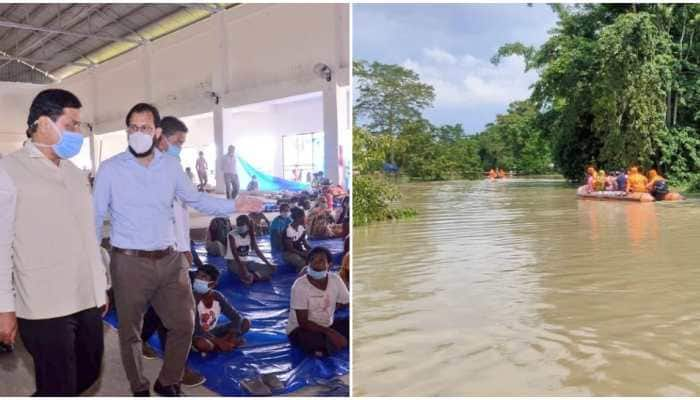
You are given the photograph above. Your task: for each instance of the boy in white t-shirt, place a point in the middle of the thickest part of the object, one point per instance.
(296, 246)
(315, 297)
(242, 241)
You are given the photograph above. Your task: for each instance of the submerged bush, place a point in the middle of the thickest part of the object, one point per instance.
(374, 200)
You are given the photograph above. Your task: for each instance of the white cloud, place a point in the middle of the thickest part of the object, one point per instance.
(439, 56)
(464, 81)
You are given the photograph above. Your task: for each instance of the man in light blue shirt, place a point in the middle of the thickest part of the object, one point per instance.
(137, 189)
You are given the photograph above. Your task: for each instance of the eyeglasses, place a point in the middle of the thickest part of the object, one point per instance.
(142, 128)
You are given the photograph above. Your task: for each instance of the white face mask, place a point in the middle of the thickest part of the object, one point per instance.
(140, 142)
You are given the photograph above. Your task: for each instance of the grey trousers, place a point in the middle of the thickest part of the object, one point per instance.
(263, 270)
(165, 284)
(232, 185)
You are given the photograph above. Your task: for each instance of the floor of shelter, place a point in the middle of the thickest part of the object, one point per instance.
(18, 371)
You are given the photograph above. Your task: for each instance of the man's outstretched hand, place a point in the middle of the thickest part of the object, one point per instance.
(8, 327)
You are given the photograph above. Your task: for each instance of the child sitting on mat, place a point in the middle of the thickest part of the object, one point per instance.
(315, 297)
(209, 335)
(296, 246)
(242, 241)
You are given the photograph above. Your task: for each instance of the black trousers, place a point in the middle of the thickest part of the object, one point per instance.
(67, 351)
(312, 342)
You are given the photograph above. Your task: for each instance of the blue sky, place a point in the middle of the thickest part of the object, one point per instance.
(450, 46)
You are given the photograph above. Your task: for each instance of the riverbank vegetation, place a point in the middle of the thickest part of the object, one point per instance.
(619, 85)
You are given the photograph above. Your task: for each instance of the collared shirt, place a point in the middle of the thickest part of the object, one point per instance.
(139, 200)
(50, 262)
(182, 226)
(230, 164)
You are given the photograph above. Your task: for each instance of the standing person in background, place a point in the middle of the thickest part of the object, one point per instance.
(202, 169)
(53, 281)
(230, 174)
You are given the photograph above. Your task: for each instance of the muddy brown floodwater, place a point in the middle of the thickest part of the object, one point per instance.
(518, 288)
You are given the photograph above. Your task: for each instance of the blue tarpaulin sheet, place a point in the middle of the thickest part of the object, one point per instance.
(269, 183)
(267, 348)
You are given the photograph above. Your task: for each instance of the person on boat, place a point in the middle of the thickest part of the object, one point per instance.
(590, 178)
(492, 174)
(636, 182)
(657, 186)
(610, 182)
(621, 180)
(501, 173)
(599, 181)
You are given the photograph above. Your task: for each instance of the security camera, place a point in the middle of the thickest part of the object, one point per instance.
(323, 71)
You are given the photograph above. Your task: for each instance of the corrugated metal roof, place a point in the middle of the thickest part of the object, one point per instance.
(43, 43)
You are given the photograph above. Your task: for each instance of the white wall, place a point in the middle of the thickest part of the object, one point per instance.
(15, 99)
(257, 130)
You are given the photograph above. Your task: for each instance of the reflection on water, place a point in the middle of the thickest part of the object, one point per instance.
(518, 288)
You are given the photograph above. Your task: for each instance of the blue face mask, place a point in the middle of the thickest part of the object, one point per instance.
(174, 150)
(200, 287)
(317, 275)
(69, 143)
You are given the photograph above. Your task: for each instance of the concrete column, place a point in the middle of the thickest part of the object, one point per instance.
(331, 128)
(220, 86)
(219, 141)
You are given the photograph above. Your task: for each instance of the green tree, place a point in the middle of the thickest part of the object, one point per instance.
(390, 96)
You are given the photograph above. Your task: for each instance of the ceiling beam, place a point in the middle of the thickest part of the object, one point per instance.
(10, 24)
(8, 56)
(30, 65)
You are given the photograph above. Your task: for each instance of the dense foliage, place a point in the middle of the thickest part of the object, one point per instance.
(620, 85)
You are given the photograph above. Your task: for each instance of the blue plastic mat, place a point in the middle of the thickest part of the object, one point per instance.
(267, 348)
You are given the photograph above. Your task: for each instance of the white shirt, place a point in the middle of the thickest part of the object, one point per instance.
(230, 164)
(49, 255)
(182, 226)
(295, 234)
(242, 245)
(320, 304)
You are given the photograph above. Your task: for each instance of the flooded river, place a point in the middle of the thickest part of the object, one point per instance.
(518, 288)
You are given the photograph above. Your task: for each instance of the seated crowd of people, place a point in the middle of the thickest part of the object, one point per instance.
(630, 181)
(315, 295)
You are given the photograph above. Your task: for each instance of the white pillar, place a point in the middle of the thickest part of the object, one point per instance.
(220, 86)
(331, 127)
(219, 141)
